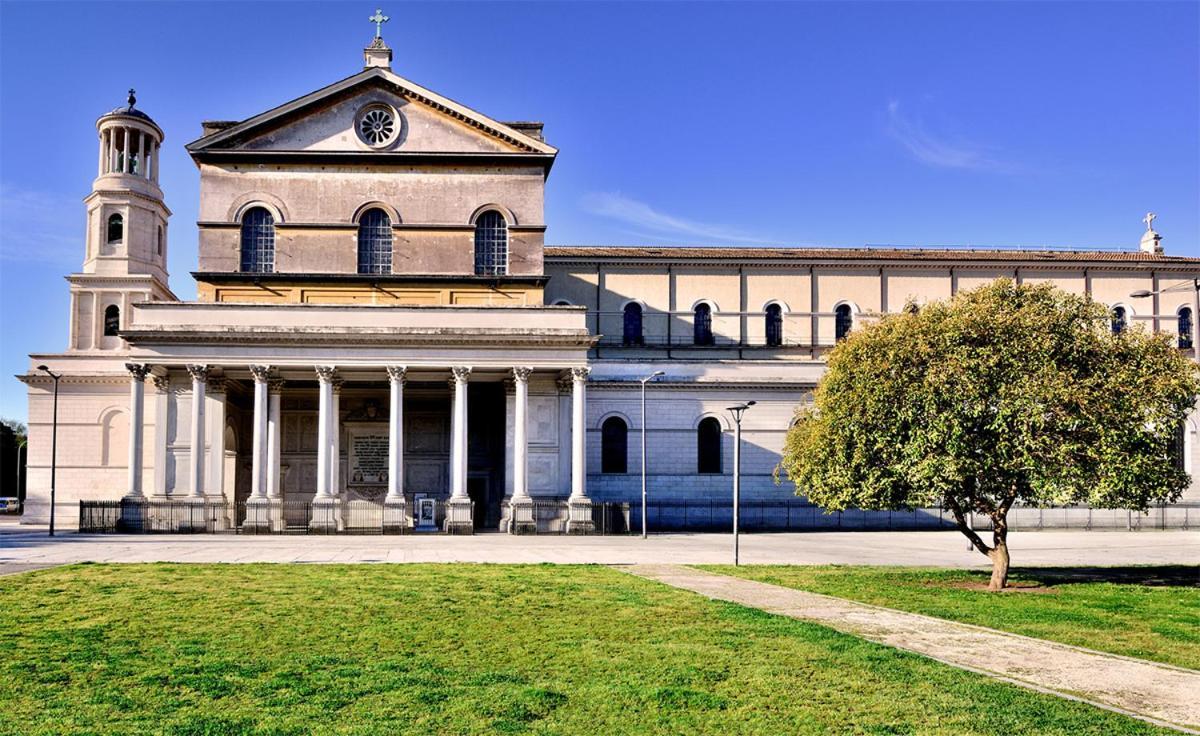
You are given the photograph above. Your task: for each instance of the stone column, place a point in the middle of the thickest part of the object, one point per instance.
(137, 403)
(521, 516)
(162, 418)
(141, 154)
(335, 440)
(458, 510)
(274, 437)
(258, 514)
(199, 374)
(394, 520)
(195, 518)
(579, 507)
(214, 474)
(323, 502)
(214, 485)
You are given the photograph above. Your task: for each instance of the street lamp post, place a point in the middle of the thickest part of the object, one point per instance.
(53, 441)
(737, 412)
(1194, 285)
(645, 380)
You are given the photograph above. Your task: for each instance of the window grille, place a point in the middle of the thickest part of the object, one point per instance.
(702, 333)
(258, 241)
(774, 317)
(375, 242)
(1185, 327)
(491, 244)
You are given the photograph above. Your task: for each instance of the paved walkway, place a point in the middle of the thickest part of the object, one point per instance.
(24, 544)
(1156, 692)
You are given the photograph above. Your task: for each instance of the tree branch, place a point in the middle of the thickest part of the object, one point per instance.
(961, 519)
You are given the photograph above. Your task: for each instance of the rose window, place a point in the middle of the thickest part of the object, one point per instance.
(377, 126)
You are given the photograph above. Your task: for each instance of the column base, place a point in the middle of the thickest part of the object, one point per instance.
(459, 517)
(324, 518)
(521, 519)
(579, 516)
(395, 516)
(262, 516)
(192, 515)
(133, 514)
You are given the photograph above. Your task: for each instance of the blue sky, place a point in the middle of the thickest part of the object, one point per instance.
(798, 123)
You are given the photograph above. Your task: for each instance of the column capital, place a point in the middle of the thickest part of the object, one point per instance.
(275, 385)
(217, 384)
(521, 375)
(198, 372)
(397, 373)
(139, 371)
(337, 384)
(580, 374)
(326, 373)
(460, 373)
(261, 373)
(162, 383)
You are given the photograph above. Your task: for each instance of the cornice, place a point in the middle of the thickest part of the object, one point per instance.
(364, 336)
(239, 277)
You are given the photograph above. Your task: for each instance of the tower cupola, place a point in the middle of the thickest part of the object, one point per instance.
(125, 257)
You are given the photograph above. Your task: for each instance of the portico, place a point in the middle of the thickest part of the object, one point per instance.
(331, 423)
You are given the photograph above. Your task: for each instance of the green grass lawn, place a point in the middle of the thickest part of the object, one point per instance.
(365, 649)
(1147, 612)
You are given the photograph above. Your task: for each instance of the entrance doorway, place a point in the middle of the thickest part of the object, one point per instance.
(479, 489)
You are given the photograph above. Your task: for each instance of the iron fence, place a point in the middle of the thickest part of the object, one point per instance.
(608, 518)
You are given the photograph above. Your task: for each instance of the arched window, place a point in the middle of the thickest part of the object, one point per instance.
(702, 325)
(774, 318)
(160, 240)
(112, 320)
(375, 242)
(843, 320)
(116, 228)
(632, 328)
(1185, 327)
(258, 241)
(1120, 320)
(1178, 447)
(614, 446)
(708, 446)
(491, 244)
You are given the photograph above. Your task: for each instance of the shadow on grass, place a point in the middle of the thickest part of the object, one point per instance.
(1187, 576)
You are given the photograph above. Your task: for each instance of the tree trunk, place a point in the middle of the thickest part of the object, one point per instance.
(999, 558)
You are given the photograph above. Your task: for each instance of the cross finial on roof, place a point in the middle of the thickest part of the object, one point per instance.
(1149, 220)
(378, 19)
(132, 97)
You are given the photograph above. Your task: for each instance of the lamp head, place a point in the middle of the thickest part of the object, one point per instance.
(656, 374)
(1141, 294)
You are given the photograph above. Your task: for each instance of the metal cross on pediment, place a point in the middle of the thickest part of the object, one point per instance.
(378, 19)
(1149, 220)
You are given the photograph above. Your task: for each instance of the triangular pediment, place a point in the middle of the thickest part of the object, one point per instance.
(328, 121)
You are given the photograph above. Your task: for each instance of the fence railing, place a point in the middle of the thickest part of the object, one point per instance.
(366, 517)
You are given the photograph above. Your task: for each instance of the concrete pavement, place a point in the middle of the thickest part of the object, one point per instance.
(24, 544)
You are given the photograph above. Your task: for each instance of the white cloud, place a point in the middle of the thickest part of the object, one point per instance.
(40, 227)
(938, 151)
(618, 207)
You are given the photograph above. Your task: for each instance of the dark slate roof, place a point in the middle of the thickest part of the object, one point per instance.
(860, 254)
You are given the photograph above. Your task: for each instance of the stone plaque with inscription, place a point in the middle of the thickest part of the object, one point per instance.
(367, 474)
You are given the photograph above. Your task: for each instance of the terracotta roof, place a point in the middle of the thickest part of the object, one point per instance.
(859, 254)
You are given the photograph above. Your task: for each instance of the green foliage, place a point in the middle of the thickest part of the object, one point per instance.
(462, 649)
(1004, 393)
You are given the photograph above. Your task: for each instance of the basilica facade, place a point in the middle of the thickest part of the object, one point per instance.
(380, 322)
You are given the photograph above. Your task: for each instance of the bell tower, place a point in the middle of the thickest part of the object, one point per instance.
(125, 259)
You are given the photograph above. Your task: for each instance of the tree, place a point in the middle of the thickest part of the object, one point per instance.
(12, 458)
(1008, 393)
